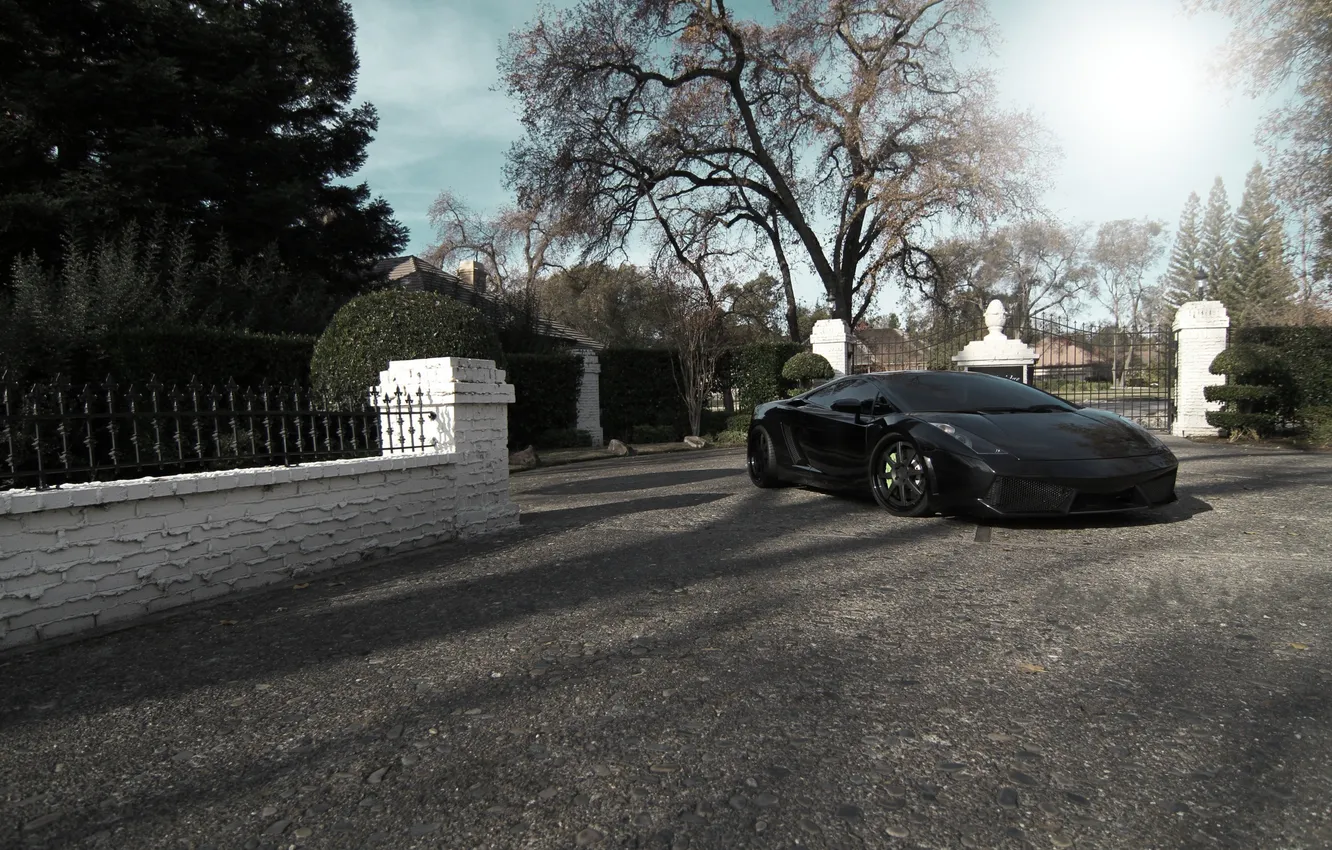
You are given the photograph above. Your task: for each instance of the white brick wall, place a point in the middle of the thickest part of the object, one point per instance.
(93, 555)
(831, 338)
(589, 397)
(1202, 330)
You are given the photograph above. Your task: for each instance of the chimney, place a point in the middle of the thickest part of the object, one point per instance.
(473, 274)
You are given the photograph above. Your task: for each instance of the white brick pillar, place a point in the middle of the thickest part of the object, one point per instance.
(1202, 331)
(589, 397)
(464, 410)
(831, 339)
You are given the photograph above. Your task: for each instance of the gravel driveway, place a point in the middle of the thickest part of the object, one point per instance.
(664, 656)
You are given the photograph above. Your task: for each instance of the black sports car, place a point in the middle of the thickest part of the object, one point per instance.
(955, 442)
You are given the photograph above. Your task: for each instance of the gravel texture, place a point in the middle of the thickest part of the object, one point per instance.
(664, 656)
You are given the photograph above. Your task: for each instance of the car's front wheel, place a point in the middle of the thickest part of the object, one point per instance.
(762, 458)
(898, 477)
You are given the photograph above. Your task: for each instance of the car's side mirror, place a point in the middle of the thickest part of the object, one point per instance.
(854, 406)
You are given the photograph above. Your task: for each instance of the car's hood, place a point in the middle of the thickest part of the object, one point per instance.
(1073, 435)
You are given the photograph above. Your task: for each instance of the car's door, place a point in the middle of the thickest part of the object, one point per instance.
(805, 428)
(834, 440)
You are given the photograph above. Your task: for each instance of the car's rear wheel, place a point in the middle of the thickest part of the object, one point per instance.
(898, 477)
(762, 458)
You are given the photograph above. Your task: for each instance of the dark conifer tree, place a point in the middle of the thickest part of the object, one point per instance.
(227, 117)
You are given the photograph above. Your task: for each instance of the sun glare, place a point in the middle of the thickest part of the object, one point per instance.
(1134, 92)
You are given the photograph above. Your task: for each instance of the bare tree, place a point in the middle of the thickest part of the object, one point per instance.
(518, 244)
(847, 123)
(1120, 257)
(696, 331)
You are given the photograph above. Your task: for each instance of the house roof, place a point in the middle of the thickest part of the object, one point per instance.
(423, 276)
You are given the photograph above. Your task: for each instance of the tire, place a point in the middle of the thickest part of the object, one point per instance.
(761, 459)
(899, 478)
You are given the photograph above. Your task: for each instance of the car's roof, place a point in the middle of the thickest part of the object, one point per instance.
(943, 374)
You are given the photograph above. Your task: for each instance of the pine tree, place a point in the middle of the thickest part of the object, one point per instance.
(1181, 283)
(225, 117)
(1262, 285)
(1216, 246)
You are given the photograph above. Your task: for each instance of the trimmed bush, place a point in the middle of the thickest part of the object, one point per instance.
(807, 367)
(1249, 403)
(1305, 353)
(212, 356)
(545, 388)
(638, 388)
(394, 324)
(756, 372)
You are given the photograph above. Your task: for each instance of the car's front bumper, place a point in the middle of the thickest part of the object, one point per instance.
(998, 485)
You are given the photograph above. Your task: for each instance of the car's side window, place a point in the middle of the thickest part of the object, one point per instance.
(877, 398)
(825, 395)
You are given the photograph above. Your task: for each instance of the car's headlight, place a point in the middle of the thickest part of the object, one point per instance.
(1152, 440)
(976, 444)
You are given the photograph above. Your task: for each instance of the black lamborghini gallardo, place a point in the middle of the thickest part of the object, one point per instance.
(960, 442)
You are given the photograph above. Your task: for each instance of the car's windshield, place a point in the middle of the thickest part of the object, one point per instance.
(968, 392)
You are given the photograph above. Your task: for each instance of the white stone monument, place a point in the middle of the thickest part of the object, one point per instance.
(996, 354)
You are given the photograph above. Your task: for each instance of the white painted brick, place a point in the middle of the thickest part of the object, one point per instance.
(13, 566)
(193, 537)
(68, 591)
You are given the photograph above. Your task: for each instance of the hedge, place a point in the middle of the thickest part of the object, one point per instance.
(638, 388)
(1305, 352)
(393, 324)
(545, 390)
(178, 355)
(756, 372)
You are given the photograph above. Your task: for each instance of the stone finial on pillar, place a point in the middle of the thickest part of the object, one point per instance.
(1202, 331)
(996, 354)
(831, 339)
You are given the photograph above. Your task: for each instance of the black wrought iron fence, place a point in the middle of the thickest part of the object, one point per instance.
(893, 350)
(53, 434)
(1128, 371)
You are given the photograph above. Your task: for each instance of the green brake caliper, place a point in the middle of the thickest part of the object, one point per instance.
(888, 467)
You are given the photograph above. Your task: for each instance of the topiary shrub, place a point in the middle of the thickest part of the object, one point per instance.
(393, 324)
(1249, 402)
(808, 370)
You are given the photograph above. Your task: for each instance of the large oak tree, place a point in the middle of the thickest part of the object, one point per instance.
(848, 123)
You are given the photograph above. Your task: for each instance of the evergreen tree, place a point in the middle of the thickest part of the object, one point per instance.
(223, 117)
(1216, 246)
(1262, 285)
(1181, 283)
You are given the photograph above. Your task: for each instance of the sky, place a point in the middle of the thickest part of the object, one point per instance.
(1126, 89)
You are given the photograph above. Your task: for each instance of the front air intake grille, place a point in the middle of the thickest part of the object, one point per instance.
(1027, 496)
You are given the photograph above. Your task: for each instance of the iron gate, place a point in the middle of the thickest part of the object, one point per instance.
(1129, 372)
